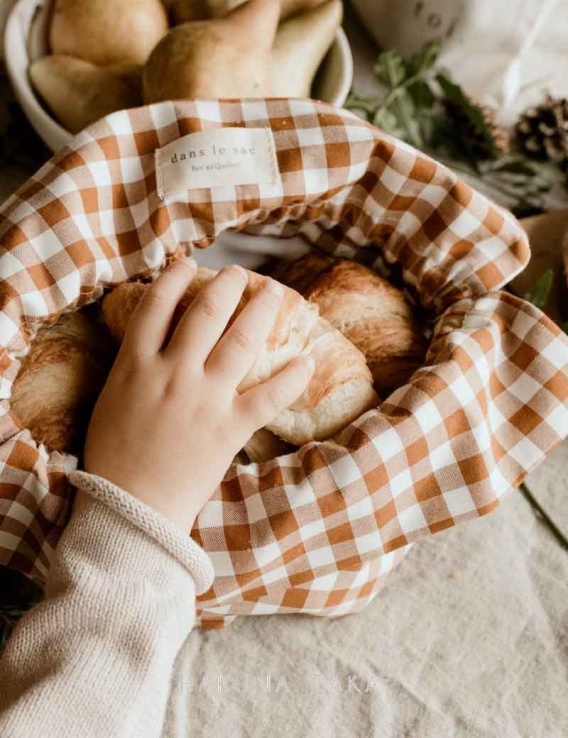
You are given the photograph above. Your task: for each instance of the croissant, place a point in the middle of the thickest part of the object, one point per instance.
(341, 386)
(61, 377)
(367, 309)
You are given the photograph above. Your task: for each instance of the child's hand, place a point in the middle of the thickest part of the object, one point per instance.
(169, 420)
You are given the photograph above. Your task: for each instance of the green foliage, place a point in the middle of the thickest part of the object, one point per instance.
(523, 181)
(540, 291)
(480, 143)
(421, 104)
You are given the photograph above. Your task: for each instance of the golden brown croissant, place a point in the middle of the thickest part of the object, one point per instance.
(60, 378)
(340, 389)
(367, 309)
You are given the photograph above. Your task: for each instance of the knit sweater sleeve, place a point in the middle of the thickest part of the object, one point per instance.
(95, 657)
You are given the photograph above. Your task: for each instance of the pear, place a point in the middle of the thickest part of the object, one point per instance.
(185, 10)
(222, 57)
(78, 93)
(107, 31)
(301, 43)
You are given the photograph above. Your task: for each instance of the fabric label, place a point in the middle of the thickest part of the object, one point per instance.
(217, 158)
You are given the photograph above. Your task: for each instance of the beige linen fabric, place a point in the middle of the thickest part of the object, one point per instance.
(470, 635)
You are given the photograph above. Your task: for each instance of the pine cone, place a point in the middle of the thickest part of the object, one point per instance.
(542, 131)
(487, 139)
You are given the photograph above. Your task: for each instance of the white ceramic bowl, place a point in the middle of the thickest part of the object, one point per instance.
(26, 39)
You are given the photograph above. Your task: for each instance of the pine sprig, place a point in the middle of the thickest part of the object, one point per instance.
(425, 107)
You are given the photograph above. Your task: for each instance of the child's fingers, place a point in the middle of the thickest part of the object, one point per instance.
(261, 404)
(238, 348)
(204, 321)
(149, 324)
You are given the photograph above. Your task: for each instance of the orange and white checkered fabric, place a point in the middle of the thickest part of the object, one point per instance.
(316, 531)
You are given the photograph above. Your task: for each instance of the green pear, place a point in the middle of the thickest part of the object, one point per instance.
(78, 93)
(107, 31)
(301, 43)
(221, 57)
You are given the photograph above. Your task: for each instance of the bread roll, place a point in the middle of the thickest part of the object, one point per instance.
(367, 309)
(340, 389)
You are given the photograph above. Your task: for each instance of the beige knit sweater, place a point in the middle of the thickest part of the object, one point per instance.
(95, 657)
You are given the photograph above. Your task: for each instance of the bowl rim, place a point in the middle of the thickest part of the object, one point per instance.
(17, 59)
(347, 71)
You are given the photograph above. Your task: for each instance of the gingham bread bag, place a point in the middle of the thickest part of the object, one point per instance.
(316, 531)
